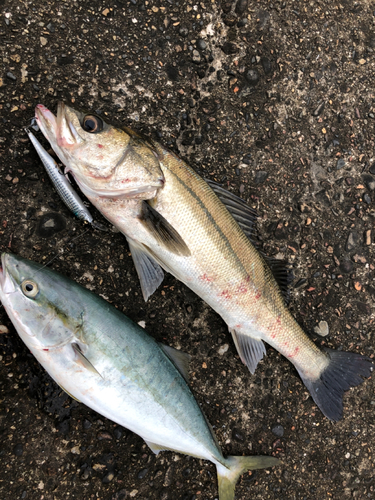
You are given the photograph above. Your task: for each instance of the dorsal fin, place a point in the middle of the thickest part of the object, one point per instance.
(245, 216)
(282, 273)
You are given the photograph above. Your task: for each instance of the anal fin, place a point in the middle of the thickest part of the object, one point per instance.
(156, 448)
(149, 272)
(250, 350)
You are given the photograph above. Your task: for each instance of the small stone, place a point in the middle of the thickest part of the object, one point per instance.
(3, 329)
(352, 241)
(43, 41)
(108, 477)
(369, 180)
(223, 349)
(104, 435)
(362, 61)
(252, 77)
(11, 76)
(201, 44)
(241, 6)
(196, 56)
(141, 474)
(278, 430)
(105, 12)
(86, 424)
(372, 168)
(120, 495)
(340, 164)
(367, 242)
(75, 450)
(346, 266)
(359, 258)
(357, 286)
(267, 65)
(238, 435)
(18, 450)
(260, 176)
(319, 109)
(322, 329)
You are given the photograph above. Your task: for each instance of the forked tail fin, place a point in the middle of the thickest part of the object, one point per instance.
(234, 467)
(345, 370)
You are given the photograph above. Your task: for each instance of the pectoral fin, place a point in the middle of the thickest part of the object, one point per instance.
(162, 230)
(180, 359)
(251, 350)
(149, 272)
(81, 358)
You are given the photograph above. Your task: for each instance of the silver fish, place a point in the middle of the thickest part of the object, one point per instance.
(103, 359)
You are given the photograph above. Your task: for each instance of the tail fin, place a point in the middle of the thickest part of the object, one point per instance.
(345, 370)
(229, 473)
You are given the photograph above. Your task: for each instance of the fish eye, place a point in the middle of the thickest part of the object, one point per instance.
(92, 124)
(30, 288)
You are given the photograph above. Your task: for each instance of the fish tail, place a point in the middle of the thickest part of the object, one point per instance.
(229, 472)
(345, 370)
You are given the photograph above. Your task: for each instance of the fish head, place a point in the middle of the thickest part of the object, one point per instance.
(106, 161)
(40, 303)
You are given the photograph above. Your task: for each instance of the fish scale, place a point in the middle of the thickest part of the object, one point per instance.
(174, 220)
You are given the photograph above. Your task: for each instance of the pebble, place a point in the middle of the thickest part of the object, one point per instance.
(260, 176)
(372, 168)
(120, 495)
(50, 224)
(43, 41)
(367, 199)
(238, 436)
(367, 238)
(223, 349)
(322, 329)
(141, 474)
(86, 424)
(201, 44)
(18, 450)
(352, 240)
(346, 266)
(11, 76)
(340, 164)
(252, 76)
(196, 57)
(369, 180)
(319, 109)
(267, 65)
(241, 6)
(3, 329)
(103, 435)
(108, 477)
(278, 430)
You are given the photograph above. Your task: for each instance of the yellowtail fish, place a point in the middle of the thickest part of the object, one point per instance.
(103, 359)
(173, 219)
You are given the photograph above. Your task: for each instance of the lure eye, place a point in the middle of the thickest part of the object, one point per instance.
(92, 124)
(30, 288)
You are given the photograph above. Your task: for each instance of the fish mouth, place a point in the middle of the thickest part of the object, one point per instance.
(6, 283)
(57, 129)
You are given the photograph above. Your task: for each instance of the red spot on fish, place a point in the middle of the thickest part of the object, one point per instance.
(241, 289)
(204, 277)
(278, 321)
(258, 295)
(100, 146)
(238, 326)
(225, 294)
(273, 335)
(126, 180)
(294, 353)
(46, 350)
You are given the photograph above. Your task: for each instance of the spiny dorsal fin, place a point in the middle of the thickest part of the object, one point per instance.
(162, 231)
(180, 359)
(245, 216)
(149, 272)
(282, 273)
